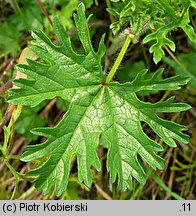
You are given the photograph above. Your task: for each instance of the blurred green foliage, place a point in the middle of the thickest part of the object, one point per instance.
(28, 120)
(187, 67)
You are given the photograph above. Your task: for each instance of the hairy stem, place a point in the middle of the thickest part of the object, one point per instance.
(119, 58)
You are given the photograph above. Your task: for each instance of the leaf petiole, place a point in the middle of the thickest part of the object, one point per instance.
(119, 58)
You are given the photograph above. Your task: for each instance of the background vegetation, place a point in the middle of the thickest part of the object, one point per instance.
(17, 20)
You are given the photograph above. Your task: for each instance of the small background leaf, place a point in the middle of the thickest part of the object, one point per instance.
(188, 68)
(28, 120)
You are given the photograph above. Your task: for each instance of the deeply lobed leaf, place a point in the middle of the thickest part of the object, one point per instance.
(97, 110)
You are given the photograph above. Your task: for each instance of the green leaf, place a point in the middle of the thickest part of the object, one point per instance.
(188, 29)
(187, 69)
(54, 2)
(62, 104)
(111, 112)
(160, 37)
(128, 72)
(175, 20)
(161, 16)
(66, 12)
(28, 120)
(193, 3)
(9, 36)
(87, 3)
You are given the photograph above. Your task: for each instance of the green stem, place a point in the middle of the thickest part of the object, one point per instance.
(162, 184)
(12, 170)
(119, 58)
(3, 151)
(26, 194)
(15, 191)
(109, 6)
(13, 157)
(136, 194)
